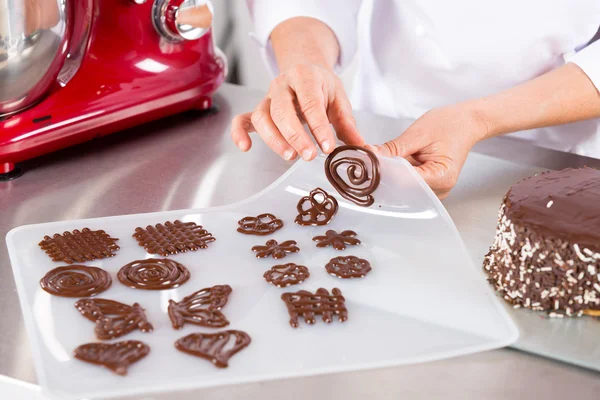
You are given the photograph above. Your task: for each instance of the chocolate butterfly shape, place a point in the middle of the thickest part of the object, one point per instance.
(114, 356)
(215, 347)
(201, 308)
(337, 240)
(113, 319)
(316, 209)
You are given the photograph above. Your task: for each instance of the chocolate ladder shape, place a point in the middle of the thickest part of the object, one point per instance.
(113, 319)
(201, 308)
(114, 356)
(307, 305)
(211, 346)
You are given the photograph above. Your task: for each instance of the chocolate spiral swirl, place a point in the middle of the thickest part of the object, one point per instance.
(76, 281)
(361, 185)
(153, 274)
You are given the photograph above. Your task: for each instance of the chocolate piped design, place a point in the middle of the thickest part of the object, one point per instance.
(201, 308)
(153, 274)
(307, 305)
(361, 186)
(173, 237)
(79, 246)
(214, 347)
(113, 319)
(276, 250)
(337, 240)
(115, 356)
(76, 281)
(316, 209)
(287, 274)
(348, 267)
(263, 224)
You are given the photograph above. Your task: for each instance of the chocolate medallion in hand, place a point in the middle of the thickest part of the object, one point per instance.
(216, 347)
(362, 180)
(307, 305)
(201, 308)
(114, 356)
(348, 267)
(316, 209)
(337, 240)
(76, 281)
(287, 274)
(113, 319)
(263, 224)
(276, 250)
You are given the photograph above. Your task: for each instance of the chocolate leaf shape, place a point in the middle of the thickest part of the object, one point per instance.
(201, 308)
(114, 356)
(216, 347)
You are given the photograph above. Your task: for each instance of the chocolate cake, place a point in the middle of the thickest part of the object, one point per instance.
(546, 253)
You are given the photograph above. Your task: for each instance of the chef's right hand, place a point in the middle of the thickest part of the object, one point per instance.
(304, 93)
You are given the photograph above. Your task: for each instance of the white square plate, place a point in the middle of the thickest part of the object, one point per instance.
(424, 299)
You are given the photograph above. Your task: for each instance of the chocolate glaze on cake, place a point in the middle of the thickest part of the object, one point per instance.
(546, 254)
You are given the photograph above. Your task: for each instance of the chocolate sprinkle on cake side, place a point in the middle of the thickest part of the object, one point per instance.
(546, 253)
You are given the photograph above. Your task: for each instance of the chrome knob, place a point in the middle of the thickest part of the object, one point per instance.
(178, 20)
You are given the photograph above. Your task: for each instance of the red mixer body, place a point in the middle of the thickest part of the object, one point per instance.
(129, 75)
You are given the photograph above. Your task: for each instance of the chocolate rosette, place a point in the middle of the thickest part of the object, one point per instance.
(76, 281)
(362, 179)
(153, 274)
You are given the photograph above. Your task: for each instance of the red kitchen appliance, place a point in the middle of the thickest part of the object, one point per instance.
(73, 70)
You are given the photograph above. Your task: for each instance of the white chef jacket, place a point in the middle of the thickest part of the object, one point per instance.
(415, 55)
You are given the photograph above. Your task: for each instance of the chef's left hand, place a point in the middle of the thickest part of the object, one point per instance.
(437, 144)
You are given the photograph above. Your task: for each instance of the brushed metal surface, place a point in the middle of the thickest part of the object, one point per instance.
(188, 161)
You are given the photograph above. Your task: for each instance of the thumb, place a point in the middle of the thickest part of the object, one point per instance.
(438, 176)
(403, 146)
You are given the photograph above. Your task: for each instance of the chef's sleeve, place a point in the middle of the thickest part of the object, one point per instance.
(588, 59)
(341, 16)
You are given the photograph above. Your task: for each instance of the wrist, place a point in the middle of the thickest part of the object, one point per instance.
(486, 124)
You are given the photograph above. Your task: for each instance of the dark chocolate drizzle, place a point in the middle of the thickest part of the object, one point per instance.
(201, 308)
(115, 356)
(263, 224)
(214, 347)
(76, 281)
(361, 186)
(79, 246)
(113, 319)
(276, 250)
(563, 204)
(287, 274)
(348, 267)
(153, 274)
(173, 237)
(307, 305)
(337, 240)
(316, 209)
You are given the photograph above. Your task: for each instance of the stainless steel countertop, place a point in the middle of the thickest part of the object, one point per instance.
(188, 161)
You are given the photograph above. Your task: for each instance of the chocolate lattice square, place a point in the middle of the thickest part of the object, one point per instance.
(173, 237)
(307, 305)
(79, 246)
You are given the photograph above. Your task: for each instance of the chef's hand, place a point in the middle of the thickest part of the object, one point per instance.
(437, 144)
(304, 93)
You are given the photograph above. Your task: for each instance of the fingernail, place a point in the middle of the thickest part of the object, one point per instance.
(307, 154)
(326, 146)
(287, 155)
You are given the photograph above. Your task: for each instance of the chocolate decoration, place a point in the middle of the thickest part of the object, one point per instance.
(113, 319)
(201, 308)
(215, 347)
(546, 252)
(115, 356)
(79, 246)
(316, 212)
(263, 224)
(76, 281)
(361, 186)
(337, 240)
(276, 250)
(173, 237)
(153, 274)
(287, 274)
(307, 305)
(348, 267)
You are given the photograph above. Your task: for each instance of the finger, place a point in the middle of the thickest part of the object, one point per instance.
(438, 176)
(342, 119)
(264, 125)
(283, 113)
(241, 126)
(407, 144)
(313, 108)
